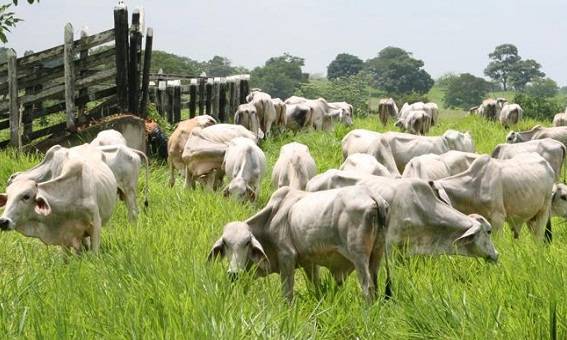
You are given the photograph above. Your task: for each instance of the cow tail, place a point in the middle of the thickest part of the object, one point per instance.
(564, 148)
(381, 225)
(145, 158)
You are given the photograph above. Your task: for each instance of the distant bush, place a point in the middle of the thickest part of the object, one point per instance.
(353, 90)
(411, 98)
(465, 91)
(538, 107)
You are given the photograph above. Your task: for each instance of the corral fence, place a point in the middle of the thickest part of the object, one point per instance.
(216, 96)
(66, 87)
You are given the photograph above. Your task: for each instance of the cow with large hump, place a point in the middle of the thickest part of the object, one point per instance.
(510, 115)
(247, 116)
(516, 190)
(387, 108)
(295, 166)
(178, 139)
(244, 164)
(433, 166)
(552, 151)
(364, 164)
(204, 152)
(264, 108)
(559, 133)
(68, 210)
(358, 141)
(395, 149)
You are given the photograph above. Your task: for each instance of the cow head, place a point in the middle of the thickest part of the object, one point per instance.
(22, 201)
(239, 189)
(513, 137)
(459, 141)
(559, 200)
(242, 250)
(476, 241)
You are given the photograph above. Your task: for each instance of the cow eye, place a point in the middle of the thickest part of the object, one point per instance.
(564, 197)
(26, 197)
(489, 232)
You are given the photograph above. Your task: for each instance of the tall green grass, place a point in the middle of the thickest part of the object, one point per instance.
(151, 279)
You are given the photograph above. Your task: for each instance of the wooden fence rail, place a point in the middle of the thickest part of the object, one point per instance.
(218, 97)
(57, 90)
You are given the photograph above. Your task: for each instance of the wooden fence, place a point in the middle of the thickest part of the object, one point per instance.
(65, 87)
(217, 97)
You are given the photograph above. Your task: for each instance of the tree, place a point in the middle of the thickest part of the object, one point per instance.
(8, 20)
(523, 72)
(542, 87)
(171, 63)
(397, 72)
(445, 80)
(466, 91)
(344, 65)
(538, 108)
(280, 76)
(504, 57)
(221, 67)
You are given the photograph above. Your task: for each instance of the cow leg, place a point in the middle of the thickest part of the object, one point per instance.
(361, 263)
(312, 273)
(171, 174)
(537, 224)
(189, 181)
(375, 259)
(287, 269)
(95, 232)
(131, 204)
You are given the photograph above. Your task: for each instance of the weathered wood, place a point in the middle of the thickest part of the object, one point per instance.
(176, 104)
(236, 94)
(222, 101)
(5, 124)
(244, 90)
(90, 41)
(107, 108)
(231, 99)
(202, 82)
(215, 97)
(121, 45)
(170, 104)
(146, 72)
(134, 64)
(209, 95)
(14, 108)
(69, 77)
(57, 128)
(83, 54)
(160, 96)
(27, 115)
(60, 106)
(192, 100)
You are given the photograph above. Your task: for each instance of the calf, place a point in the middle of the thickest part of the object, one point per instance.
(244, 163)
(247, 116)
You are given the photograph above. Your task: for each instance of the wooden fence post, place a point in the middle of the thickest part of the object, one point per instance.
(202, 82)
(215, 97)
(209, 94)
(231, 98)
(222, 100)
(134, 64)
(121, 45)
(244, 89)
(68, 54)
(162, 98)
(236, 93)
(15, 138)
(83, 54)
(146, 72)
(169, 101)
(192, 98)
(176, 102)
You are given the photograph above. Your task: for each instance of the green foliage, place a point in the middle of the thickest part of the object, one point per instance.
(222, 67)
(174, 64)
(508, 68)
(411, 98)
(352, 89)
(525, 71)
(280, 76)
(443, 81)
(8, 20)
(344, 65)
(540, 108)
(465, 91)
(396, 72)
(542, 87)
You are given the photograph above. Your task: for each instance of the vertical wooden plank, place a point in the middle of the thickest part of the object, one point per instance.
(15, 139)
(222, 101)
(209, 95)
(134, 64)
(121, 43)
(68, 54)
(244, 88)
(162, 98)
(176, 103)
(83, 54)
(193, 98)
(170, 104)
(216, 95)
(231, 101)
(236, 93)
(146, 72)
(202, 82)
(152, 92)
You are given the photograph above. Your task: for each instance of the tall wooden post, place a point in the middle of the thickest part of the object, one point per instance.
(231, 97)
(209, 95)
(202, 82)
(236, 93)
(134, 64)
(222, 101)
(193, 98)
(121, 45)
(83, 54)
(15, 138)
(176, 103)
(215, 99)
(244, 88)
(170, 104)
(146, 72)
(162, 98)
(68, 54)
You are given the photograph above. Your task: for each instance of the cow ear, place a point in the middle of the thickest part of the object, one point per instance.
(3, 199)
(470, 234)
(42, 207)
(257, 253)
(217, 250)
(440, 193)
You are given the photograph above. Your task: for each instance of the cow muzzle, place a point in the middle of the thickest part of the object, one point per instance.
(6, 224)
(492, 258)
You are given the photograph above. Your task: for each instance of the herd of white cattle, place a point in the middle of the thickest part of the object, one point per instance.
(425, 194)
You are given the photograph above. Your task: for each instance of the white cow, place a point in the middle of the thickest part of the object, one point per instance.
(433, 166)
(68, 210)
(264, 108)
(364, 164)
(559, 133)
(247, 116)
(560, 119)
(280, 107)
(295, 166)
(358, 141)
(244, 164)
(298, 116)
(416, 122)
(387, 108)
(109, 137)
(433, 110)
(510, 114)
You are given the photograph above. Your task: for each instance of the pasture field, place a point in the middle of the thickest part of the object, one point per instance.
(152, 279)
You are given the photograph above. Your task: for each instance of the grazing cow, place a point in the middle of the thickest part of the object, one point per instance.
(244, 164)
(179, 138)
(358, 141)
(321, 112)
(551, 150)
(343, 230)
(432, 166)
(560, 119)
(108, 137)
(280, 107)
(510, 115)
(295, 100)
(68, 210)
(433, 110)
(417, 122)
(559, 133)
(294, 166)
(264, 108)
(559, 200)
(298, 116)
(515, 190)
(124, 162)
(343, 111)
(204, 151)
(247, 116)
(364, 164)
(489, 109)
(387, 108)
(394, 149)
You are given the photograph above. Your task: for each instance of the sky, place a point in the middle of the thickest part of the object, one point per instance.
(448, 35)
